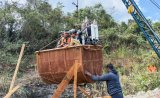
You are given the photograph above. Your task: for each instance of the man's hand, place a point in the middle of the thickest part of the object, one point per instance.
(88, 73)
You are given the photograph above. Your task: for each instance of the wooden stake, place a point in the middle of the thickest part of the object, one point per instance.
(106, 97)
(75, 79)
(65, 81)
(17, 67)
(83, 91)
(12, 91)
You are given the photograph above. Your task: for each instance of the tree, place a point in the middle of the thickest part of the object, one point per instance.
(123, 26)
(156, 26)
(98, 13)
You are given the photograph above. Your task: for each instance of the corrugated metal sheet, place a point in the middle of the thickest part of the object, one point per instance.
(53, 64)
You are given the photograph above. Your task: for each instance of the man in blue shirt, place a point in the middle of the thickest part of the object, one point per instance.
(112, 80)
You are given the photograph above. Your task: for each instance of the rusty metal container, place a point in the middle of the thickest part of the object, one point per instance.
(53, 64)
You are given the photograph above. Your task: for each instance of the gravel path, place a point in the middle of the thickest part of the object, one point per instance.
(149, 94)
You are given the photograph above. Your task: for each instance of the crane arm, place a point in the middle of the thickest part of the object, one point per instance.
(144, 25)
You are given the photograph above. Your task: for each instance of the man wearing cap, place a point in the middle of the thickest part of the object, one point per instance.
(74, 40)
(65, 40)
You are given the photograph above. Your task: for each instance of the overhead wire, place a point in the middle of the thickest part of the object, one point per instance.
(155, 3)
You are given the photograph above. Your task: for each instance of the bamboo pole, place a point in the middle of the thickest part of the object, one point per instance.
(12, 91)
(65, 81)
(75, 79)
(83, 91)
(17, 67)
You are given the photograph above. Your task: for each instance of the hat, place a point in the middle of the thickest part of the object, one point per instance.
(73, 31)
(79, 32)
(66, 32)
(61, 32)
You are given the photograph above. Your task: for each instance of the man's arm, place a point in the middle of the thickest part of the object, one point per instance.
(104, 77)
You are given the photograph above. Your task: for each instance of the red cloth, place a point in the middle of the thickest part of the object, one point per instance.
(152, 69)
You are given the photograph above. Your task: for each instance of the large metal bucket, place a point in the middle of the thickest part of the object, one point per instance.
(53, 64)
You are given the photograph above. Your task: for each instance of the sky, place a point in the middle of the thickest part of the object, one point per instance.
(114, 7)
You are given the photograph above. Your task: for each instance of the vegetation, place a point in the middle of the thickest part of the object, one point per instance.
(36, 23)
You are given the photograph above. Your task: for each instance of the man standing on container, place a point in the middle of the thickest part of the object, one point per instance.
(74, 39)
(112, 80)
(65, 41)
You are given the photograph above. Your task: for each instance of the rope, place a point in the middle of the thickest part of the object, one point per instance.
(56, 40)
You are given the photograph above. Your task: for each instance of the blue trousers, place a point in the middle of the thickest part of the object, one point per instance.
(118, 95)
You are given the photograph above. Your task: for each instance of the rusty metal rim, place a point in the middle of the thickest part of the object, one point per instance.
(65, 48)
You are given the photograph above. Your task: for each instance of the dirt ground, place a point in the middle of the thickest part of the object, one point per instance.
(149, 94)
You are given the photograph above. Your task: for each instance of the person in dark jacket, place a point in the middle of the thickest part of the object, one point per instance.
(112, 80)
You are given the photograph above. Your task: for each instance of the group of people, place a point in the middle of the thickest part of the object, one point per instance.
(88, 35)
(69, 38)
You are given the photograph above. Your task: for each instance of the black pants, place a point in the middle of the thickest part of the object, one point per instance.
(117, 95)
